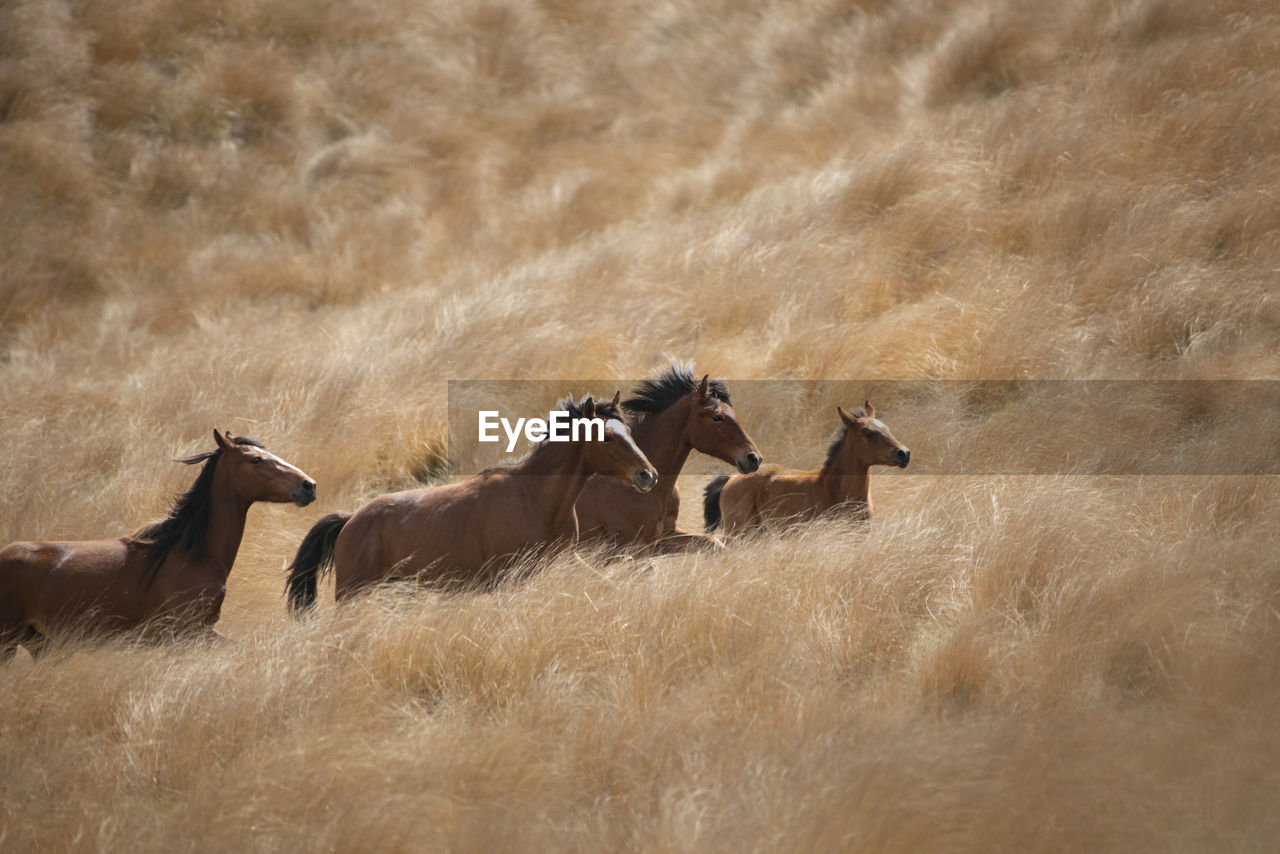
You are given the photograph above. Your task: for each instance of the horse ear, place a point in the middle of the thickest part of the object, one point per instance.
(220, 439)
(617, 396)
(702, 387)
(844, 416)
(871, 410)
(589, 408)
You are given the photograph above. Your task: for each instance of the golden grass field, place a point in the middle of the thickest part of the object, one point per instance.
(298, 221)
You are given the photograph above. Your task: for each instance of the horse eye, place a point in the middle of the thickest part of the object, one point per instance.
(870, 434)
(255, 461)
(717, 417)
(608, 438)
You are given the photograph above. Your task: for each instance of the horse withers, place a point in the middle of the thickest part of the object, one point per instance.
(166, 579)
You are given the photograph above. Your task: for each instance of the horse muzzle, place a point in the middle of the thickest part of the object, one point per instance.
(645, 479)
(748, 462)
(304, 493)
(901, 457)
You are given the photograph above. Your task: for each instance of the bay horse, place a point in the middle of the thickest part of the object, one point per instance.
(465, 534)
(673, 414)
(774, 497)
(168, 578)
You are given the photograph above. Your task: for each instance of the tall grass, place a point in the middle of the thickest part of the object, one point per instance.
(298, 220)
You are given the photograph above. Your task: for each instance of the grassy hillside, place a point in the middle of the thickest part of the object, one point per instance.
(298, 221)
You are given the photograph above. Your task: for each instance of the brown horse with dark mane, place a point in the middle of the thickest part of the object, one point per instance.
(466, 533)
(167, 579)
(671, 416)
(774, 497)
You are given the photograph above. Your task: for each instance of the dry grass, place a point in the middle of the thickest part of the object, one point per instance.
(298, 220)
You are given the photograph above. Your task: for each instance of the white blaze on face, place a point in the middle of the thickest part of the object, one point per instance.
(618, 431)
(292, 469)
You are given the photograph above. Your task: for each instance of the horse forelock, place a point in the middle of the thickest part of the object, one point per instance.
(207, 455)
(605, 409)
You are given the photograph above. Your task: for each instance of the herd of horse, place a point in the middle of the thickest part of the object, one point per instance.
(169, 578)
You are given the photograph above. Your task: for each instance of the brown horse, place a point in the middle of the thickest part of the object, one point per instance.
(774, 498)
(167, 578)
(466, 533)
(672, 415)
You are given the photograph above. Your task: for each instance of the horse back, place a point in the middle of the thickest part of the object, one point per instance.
(63, 583)
(770, 495)
(404, 533)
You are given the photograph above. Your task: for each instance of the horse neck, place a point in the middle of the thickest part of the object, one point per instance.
(663, 437)
(560, 470)
(841, 483)
(225, 529)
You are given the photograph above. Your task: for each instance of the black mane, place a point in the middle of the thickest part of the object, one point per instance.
(188, 518)
(655, 395)
(604, 408)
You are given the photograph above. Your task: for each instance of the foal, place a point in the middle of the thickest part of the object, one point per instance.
(466, 533)
(170, 577)
(774, 498)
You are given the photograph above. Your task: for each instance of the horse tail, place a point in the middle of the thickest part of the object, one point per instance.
(314, 558)
(711, 501)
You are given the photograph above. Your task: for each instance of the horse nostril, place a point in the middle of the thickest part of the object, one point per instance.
(749, 463)
(904, 455)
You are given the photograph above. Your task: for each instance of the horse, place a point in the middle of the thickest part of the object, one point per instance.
(775, 498)
(672, 415)
(466, 534)
(166, 579)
